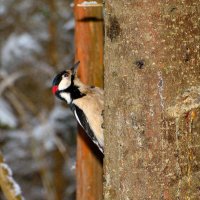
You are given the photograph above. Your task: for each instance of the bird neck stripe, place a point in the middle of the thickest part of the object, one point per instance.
(74, 92)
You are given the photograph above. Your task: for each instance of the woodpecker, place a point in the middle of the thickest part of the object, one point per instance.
(86, 102)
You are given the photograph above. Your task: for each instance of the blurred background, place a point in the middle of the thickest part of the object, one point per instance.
(37, 132)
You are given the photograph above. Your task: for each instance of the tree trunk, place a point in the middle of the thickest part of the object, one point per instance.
(152, 100)
(89, 50)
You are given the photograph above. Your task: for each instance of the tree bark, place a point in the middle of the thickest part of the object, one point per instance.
(89, 50)
(152, 100)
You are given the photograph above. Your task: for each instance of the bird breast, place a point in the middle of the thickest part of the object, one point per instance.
(92, 106)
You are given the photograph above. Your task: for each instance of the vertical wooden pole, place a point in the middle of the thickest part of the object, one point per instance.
(89, 50)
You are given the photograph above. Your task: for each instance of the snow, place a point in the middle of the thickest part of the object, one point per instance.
(88, 3)
(2, 10)
(19, 137)
(8, 172)
(69, 25)
(16, 188)
(19, 47)
(72, 5)
(7, 118)
(45, 134)
(63, 120)
(24, 6)
(24, 39)
(18, 146)
(9, 80)
(60, 120)
(37, 22)
(6, 168)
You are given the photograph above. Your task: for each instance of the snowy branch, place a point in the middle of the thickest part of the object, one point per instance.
(10, 188)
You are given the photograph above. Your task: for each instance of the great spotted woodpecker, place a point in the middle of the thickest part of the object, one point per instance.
(86, 102)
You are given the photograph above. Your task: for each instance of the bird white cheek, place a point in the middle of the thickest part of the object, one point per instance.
(64, 84)
(66, 96)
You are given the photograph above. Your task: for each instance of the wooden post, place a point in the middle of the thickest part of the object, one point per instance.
(89, 50)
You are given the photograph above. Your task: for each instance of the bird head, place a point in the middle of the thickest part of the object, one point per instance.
(64, 80)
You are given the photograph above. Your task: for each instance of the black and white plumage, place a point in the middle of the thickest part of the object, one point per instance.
(86, 102)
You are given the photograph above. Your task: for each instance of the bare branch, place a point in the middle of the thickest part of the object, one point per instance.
(8, 80)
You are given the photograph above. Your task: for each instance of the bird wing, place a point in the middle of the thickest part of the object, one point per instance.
(82, 120)
(92, 105)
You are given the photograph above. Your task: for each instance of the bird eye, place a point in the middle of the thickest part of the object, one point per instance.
(66, 75)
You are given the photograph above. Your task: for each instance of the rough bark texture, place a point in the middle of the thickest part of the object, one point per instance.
(89, 50)
(152, 100)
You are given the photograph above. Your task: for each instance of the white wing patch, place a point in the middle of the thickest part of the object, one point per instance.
(78, 118)
(100, 148)
(95, 141)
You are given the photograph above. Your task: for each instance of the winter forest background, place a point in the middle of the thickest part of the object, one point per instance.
(37, 132)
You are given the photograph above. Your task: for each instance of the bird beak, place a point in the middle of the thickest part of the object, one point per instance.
(75, 67)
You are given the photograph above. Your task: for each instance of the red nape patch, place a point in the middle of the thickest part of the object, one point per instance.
(54, 89)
